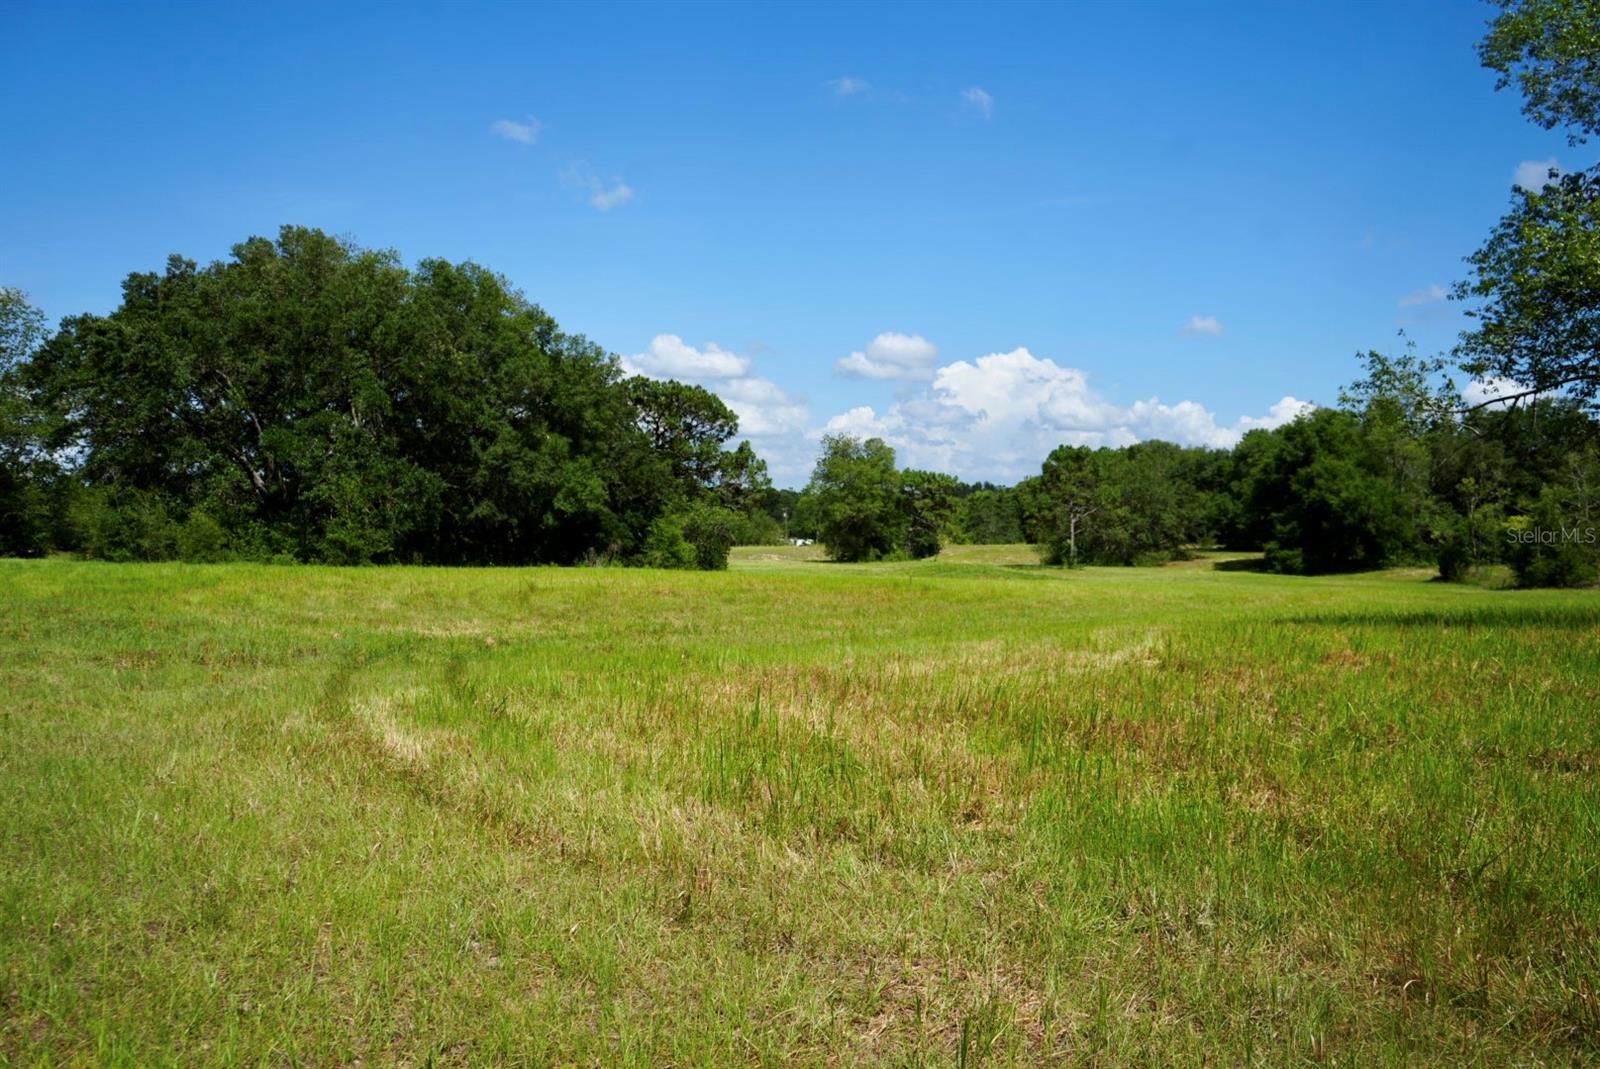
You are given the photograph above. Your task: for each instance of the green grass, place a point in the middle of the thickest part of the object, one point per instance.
(958, 812)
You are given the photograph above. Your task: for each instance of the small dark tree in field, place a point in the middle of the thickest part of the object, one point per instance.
(699, 536)
(929, 500)
(855, 491)
(710, 529)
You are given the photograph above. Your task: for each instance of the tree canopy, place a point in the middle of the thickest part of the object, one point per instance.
(313, 400)
(856, 493)
(1536, 281)
(1548, 50)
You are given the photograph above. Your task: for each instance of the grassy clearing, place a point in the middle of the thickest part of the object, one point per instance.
(963, 811)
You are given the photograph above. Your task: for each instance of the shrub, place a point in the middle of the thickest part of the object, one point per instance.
(202, 539)
(124, 524)
(664, 544)
(1550, 547)
(709, 530)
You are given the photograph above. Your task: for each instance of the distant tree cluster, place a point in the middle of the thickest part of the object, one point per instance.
(1138, 504)
(863, 508)
(1400, 473)
(310, 400)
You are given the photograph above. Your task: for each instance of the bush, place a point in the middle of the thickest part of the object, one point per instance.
(1453, 559)
(1451, 550)
(124, 525)
(24, 516)
(922, 542)
(709, 531)
(1548, 547)
(665, 546)
(757, 529)
(1288, 560)
(202, 539)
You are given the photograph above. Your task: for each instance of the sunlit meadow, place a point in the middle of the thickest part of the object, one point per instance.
(957, 812)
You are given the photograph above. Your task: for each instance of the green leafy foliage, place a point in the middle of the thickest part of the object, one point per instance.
(862, 508)
(315, 399)
(310, 400)
(1549, 49)
(928, 499)
(1537, 284)
(1318, 488)
(1144, 503)
(1077, 506)
(34, 494)
(990, 515)
(1556, 542)
(1536, 280)
(855, 490)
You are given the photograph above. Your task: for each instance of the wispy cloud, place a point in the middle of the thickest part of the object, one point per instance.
(1426, 295)
(847, 87)
(1533, 175)
(977, 99)
(602, 195)
(525, 133)
(606, 199)
(1203, 325)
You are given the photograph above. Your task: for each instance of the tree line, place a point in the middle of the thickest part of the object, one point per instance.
(310, 400)
(1400, 472)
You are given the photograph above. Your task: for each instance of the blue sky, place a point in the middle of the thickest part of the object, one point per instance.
(978, 231)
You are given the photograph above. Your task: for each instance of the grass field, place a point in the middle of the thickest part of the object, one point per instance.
(958, 812)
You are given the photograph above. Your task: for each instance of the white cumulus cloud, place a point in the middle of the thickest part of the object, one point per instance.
(892, 356)
(1284, 411)
(766, 411)
(998, 416)
(977, 99)
(1533, 175)
(1483, 392)
(525, 133)
(670, 358)
(993, 417)
(1203, 325)
(764, 407)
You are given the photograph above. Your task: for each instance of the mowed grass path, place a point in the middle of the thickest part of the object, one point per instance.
(956, 812)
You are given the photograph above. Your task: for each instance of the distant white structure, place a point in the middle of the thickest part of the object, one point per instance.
(801, 541)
